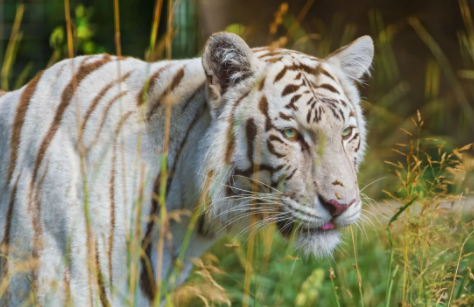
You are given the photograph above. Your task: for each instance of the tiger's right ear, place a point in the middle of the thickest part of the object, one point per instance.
(227, 60)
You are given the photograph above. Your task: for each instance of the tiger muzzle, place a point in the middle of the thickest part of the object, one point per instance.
(335, 207)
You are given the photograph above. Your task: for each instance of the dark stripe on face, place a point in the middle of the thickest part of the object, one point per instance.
(332, 102)
(341, 113)
(262, 84)
(263, 107)
(303, 67)
(271, 149)
(250, 133)
(280, 75)
(329, 87)
(66, 97)
(358, 146)
(18, 121)
(290, 88)
(316, 115)
(334, 113)
(298, 76)
(324, 72)
(344, 103)
(99, 96)
(308, 117)
(291, 175)
(355, 137)
(275, 138)
(292, 103)
(261, 167)
(284, 116)
(142, 96)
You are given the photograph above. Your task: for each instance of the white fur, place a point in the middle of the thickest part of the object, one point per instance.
(57, 201)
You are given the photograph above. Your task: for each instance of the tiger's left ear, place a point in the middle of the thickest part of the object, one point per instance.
(354, 59)
(227, 60)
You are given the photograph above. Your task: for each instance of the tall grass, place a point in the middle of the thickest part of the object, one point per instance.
(412, 247)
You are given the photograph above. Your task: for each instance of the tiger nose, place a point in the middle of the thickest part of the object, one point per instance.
(334, 207)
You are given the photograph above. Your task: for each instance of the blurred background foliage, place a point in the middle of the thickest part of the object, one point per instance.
(424, 61)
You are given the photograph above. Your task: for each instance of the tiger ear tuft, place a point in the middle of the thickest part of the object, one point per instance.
(227, 60)
(356, 58)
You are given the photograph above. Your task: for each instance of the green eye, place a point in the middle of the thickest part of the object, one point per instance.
(291, 134)
(347, 133)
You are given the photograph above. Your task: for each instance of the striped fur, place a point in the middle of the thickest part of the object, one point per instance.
(80, 152)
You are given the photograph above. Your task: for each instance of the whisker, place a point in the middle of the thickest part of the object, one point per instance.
(376, 180)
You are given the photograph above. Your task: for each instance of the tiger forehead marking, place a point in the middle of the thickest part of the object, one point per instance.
(316, 79)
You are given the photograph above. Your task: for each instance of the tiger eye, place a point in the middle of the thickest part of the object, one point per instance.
(291, 134)
(347, 133)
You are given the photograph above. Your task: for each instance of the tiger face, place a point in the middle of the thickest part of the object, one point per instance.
(286, 138)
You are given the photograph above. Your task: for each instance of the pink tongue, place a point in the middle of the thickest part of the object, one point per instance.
(328, 225)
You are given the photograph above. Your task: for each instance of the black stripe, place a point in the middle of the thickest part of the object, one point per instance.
(280, 75)
(284, 116)
(291, 175)
(293, 100)
(324, 72)
(263, 107)
(329, 87)
(276, 139)
(355, 136)
(290, 88)
(250, 133)
(271, 149)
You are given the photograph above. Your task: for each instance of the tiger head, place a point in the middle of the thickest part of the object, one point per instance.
(286, 138)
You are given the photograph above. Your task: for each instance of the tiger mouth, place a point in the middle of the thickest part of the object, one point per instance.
(286, 228)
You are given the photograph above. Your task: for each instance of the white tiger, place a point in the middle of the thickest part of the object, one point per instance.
(81, 148)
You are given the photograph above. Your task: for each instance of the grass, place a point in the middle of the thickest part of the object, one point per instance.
(414, 246)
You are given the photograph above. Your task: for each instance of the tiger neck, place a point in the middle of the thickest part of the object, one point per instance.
(189, 120)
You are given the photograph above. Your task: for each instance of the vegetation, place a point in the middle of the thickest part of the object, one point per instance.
(414, 245)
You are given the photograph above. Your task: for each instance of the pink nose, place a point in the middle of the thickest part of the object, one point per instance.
(334, 207)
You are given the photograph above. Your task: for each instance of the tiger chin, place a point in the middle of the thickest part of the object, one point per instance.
(266, 134)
